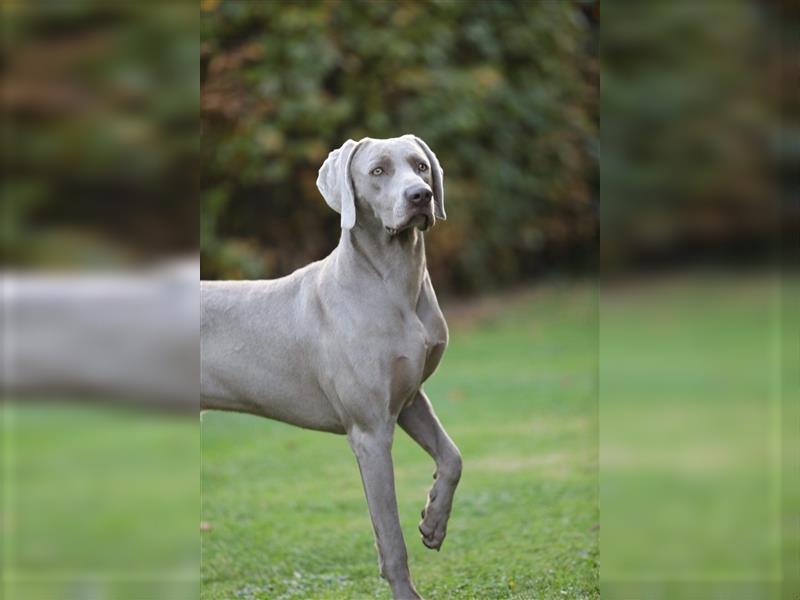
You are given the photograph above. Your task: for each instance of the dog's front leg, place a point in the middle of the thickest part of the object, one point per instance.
(373, 451)
(420, 422)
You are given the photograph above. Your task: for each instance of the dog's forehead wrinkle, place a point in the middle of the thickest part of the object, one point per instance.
(372, 154)
(382, 159)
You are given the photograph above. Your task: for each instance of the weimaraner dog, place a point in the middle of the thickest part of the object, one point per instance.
(344, 344)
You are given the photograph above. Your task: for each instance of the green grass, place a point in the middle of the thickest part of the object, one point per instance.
(97, 502)
(516, 391)
(690, 438)
(100, 502)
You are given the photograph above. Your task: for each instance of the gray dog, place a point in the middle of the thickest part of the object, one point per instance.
(344, 344)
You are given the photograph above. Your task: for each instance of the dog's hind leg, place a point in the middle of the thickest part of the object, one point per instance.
(420, 422)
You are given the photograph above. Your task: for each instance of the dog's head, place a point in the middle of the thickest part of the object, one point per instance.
(395, 183)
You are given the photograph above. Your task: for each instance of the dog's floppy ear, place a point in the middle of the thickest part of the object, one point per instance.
(438, 180)
(336, 185)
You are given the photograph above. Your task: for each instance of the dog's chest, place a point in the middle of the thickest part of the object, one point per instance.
(407, 359)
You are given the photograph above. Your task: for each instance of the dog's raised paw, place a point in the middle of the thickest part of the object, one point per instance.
(433, 532)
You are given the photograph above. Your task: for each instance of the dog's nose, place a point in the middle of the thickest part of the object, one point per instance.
(418, 194)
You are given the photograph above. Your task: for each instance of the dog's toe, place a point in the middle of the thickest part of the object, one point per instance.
(433, 542)
(425, 530)
(432, 535)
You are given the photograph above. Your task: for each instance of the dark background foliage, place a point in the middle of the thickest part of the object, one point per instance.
(99, 133)
(101, 150)
(689, 103)
(504, 92)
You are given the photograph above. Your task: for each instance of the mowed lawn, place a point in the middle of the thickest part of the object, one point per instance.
(97, 501)
(284, 512)
(696, 375)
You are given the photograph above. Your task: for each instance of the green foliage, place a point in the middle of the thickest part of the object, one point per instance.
(100, 132)
(502, 92)
(685, 119)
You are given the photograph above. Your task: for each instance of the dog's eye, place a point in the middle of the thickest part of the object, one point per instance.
(377, 171)
(422, 167)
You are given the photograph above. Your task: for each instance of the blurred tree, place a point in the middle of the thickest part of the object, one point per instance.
(99, 126)
(685, 128)
(504, 93)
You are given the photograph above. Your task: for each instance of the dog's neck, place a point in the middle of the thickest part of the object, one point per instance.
(395, 261)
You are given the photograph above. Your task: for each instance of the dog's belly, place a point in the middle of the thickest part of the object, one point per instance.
(293, 400)
(260, 374)
(254, 361)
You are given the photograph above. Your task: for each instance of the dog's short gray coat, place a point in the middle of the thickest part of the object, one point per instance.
(344, 344)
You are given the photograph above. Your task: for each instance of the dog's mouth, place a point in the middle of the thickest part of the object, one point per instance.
(421, 220)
